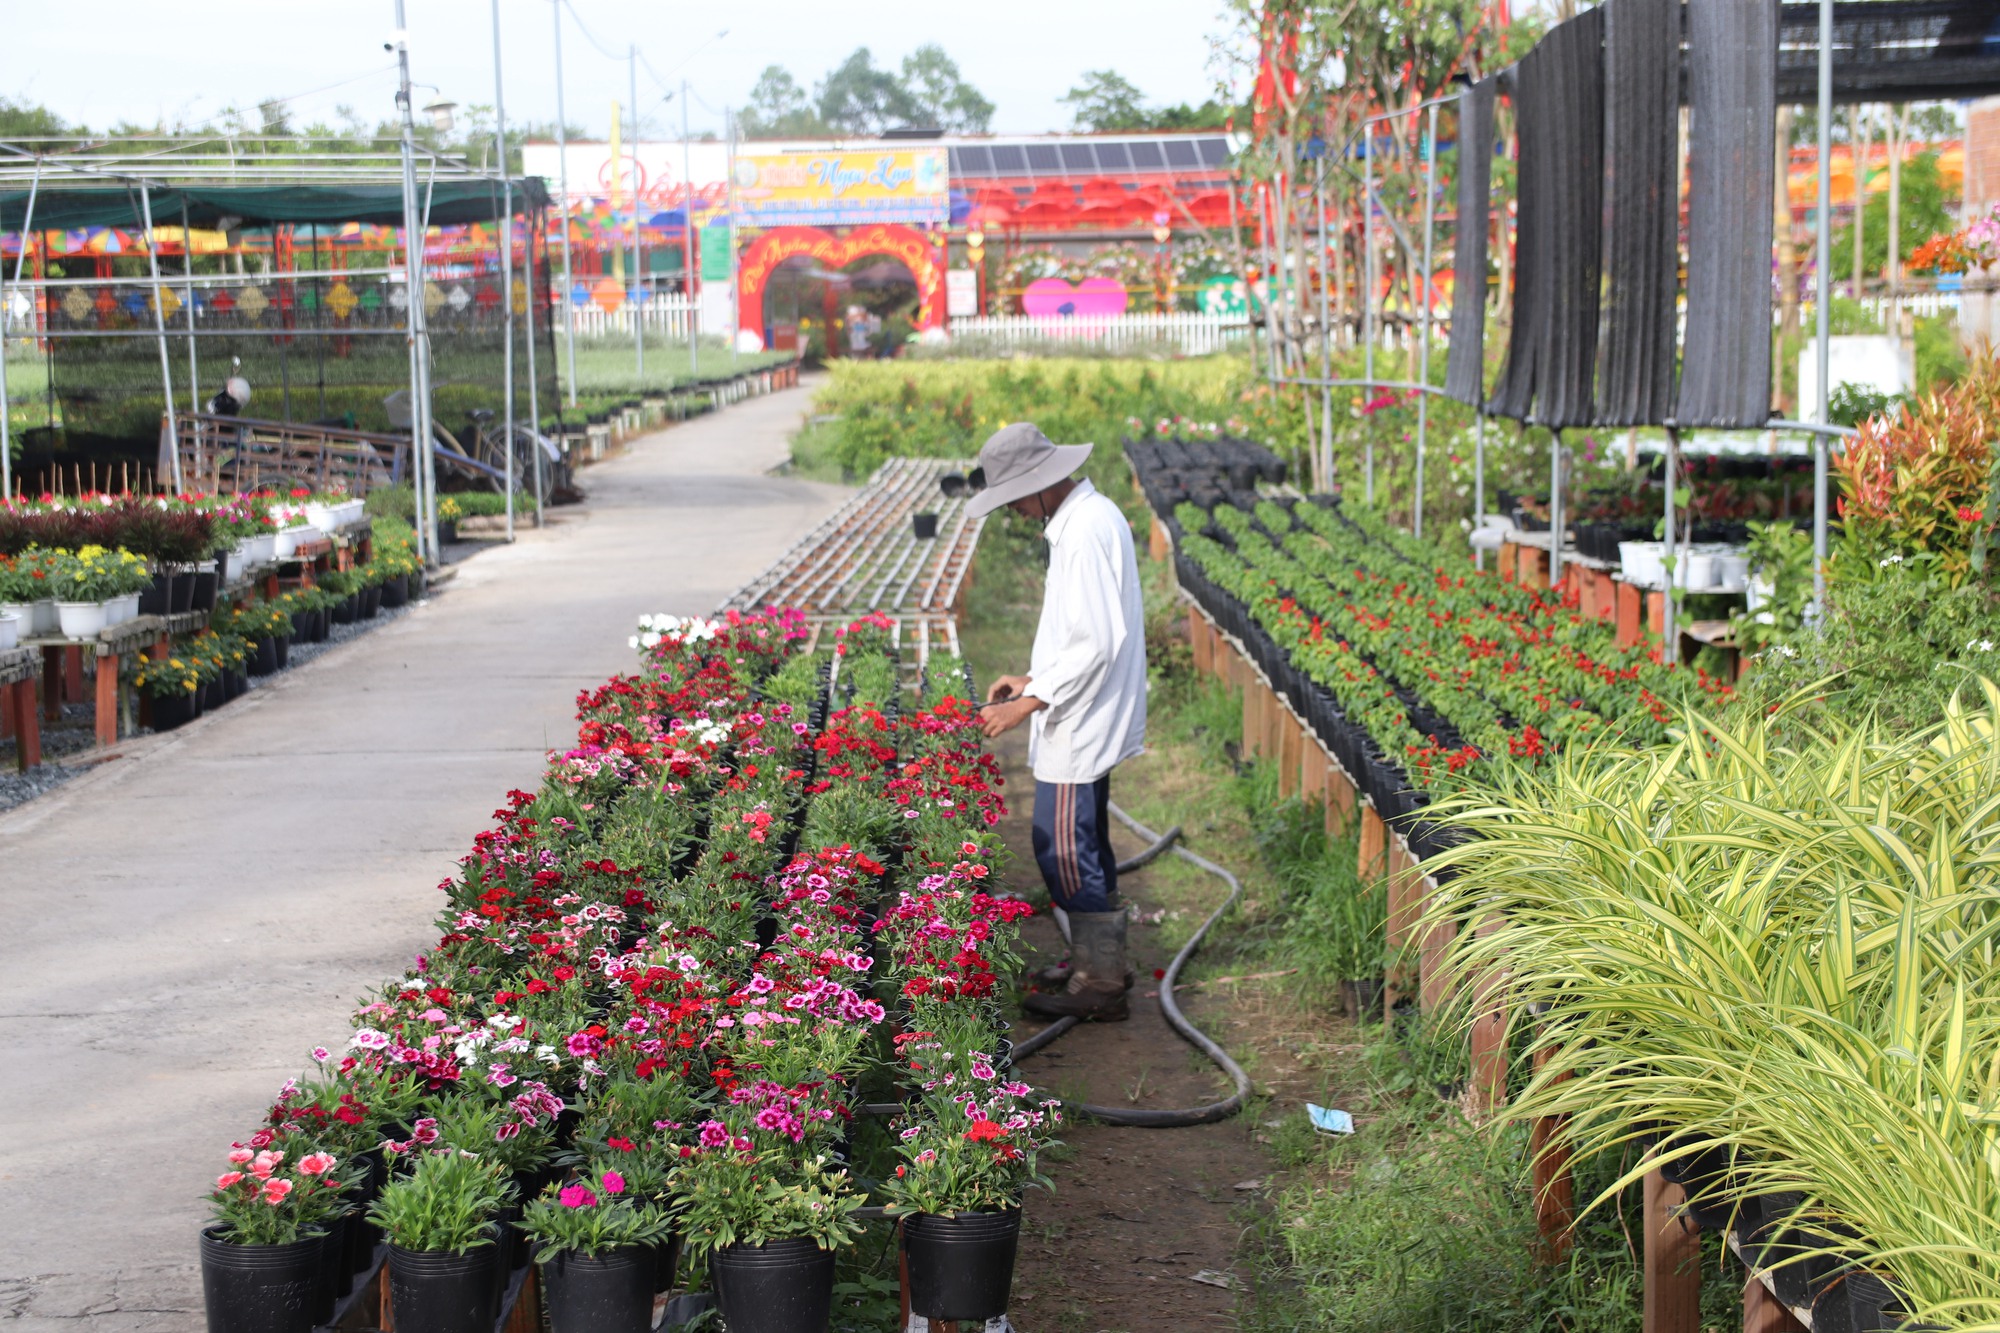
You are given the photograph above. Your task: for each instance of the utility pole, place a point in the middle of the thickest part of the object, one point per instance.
(414, 316)
(638, 278)
(506, 261)
(562, 173)
(687, 237)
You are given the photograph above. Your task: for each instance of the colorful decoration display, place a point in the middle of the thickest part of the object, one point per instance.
(843, 189)
(905, 244)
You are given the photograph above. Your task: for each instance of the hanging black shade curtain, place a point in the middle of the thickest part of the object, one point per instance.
(1552, 356)
(1642, 55)
(1514, 391)
(1732, 97)
(1465, 370)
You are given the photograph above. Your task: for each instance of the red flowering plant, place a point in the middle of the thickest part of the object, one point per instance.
(970, 1140)
(946, 941)
(274, 1194)
(593, 1214)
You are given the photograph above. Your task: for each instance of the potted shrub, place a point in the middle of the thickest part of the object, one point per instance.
(968, 1151)
(260, 1259)
(171, 684)
(769, 1220)
(595, 1243)
(86, 582)
(444, 1256)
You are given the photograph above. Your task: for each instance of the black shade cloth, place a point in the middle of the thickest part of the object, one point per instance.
(60, 207)
(1635, 375)
(1552, 354)
(1726, 357)
(1892, 50)
(1465, 368)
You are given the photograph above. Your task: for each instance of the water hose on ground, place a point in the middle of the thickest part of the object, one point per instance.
(1196, 1115)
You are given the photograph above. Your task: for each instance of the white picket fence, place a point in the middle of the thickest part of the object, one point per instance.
(1187, 333)
(662, 316)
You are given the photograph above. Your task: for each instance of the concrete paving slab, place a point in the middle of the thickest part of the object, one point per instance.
(180, 926)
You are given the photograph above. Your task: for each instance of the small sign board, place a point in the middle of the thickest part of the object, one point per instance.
(961, 292)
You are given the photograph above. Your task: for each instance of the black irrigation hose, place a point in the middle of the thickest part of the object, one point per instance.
(1196, 1115)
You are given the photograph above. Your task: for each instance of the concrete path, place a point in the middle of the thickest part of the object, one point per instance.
(181, 926)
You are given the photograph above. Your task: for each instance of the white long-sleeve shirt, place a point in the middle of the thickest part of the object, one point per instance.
(1089, 660)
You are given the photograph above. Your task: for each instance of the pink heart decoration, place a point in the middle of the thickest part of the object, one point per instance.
(1092, 296)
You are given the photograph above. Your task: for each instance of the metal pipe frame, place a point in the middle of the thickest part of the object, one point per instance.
(562, 170)
(6, 406)
(160, 326)
(1424, 346)
(506, 260)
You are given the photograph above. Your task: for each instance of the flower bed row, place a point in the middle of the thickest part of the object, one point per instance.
(1418, 670)
(667, 982)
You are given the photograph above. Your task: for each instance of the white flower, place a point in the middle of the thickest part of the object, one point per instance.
(1889, 560)
(1979, 646)
(1786, 650)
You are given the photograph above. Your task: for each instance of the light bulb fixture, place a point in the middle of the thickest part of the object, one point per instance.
(440, 114)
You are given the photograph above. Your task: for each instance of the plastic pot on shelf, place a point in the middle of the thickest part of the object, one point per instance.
(600, 1293)
(180, 595)
(783, 1286)
(284, 650)
(961, 1267)
(263, 658)
(261, 1288)
(445, 1292)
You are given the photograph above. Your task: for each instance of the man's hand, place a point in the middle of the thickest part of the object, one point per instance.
(1006, 687)
(1005, 716)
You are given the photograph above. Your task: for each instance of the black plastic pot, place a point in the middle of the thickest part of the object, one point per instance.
(371, 601)
(1859, 1302)
(261, 1288)
(961, 1267)
(345, 610)
(204, 589)
(1769, 1242)
(600, 1293)
(180, 596)
(447, 531)
(239, 683)
(322, 624)
(925, 525)
(302, 626)
(154, 600)
(284, 642)
(785, 1286)
(214, 694)
(1362, 1000)
(443, 1292)
(174, 710)
(263, 658)
(396, 591)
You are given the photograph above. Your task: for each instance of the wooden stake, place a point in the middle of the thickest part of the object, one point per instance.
(1555, 1193)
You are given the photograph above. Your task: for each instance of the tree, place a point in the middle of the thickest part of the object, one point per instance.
(858, 98)
(1925, 212)
(780, 109)
(26, 120)
(939, 94)
(1106, 100)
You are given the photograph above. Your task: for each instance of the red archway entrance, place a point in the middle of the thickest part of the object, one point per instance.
(905, 244)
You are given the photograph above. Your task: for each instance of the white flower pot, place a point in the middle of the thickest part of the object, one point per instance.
(261, 549)
(1693, 570)
(232, 563)
(1732, 571)
(121, 609)
(1758, 590)
(1639, 563)
(83, 620)
(10, 629)
(44, 621)
(289, 541)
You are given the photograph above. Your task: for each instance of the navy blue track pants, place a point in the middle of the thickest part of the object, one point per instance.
(1073, 844)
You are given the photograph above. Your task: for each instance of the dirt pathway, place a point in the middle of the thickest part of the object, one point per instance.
(1136, 1214)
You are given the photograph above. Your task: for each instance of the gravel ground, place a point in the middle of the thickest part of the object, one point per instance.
(76, 733)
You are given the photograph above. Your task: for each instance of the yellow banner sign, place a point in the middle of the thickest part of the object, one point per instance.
(839, 189)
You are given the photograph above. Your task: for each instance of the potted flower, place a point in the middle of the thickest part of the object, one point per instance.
(444, 1262)
(769, 1219)
(172, 683)
(968, 1148)
(260, 1258)
(262, 624)
(595, 1241)
(27, 590)
(87, 581)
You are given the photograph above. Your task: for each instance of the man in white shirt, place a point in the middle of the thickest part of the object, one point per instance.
(1084, 698)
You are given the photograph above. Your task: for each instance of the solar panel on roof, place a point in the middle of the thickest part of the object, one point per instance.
(1077, 157)
(1214, 152)
(1181, 153)
(1147, 157)
(1043, 161)
(974, 160)
(955, 165)
(1113, 157)
(1008, 160)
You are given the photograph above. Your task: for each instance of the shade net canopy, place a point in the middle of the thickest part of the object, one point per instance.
(1465, 370)
(61, 204)
(1892, 50)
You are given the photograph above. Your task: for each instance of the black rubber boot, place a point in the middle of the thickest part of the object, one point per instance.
(1097, 984)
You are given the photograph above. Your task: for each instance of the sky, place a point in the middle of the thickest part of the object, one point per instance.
(110, 59)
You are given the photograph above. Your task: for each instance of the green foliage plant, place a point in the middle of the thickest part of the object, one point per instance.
(444, 1203)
